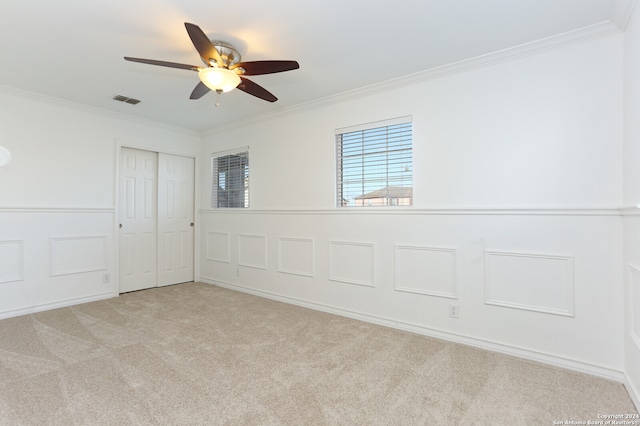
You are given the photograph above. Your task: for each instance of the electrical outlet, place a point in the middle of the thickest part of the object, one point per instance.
(454, 310)
(105, 278)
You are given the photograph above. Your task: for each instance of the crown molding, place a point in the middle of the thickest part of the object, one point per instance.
(581, 35)
(51, 100)
(622, 11)
(592, 32)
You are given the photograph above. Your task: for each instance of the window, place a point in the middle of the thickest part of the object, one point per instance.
(230, 179)
(374, 164)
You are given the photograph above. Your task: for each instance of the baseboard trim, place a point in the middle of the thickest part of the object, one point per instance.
(55, 305)
(633, 392)
(544, 358)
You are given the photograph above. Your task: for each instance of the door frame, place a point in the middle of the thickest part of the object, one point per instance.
(116, 197)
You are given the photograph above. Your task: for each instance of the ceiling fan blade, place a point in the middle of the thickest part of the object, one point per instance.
(163, 63)
(199, 91)
(256, 90)
(203, 45)
(265, 67)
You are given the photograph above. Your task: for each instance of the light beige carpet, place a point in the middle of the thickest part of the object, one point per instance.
(195, 354)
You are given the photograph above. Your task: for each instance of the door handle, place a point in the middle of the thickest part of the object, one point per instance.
(120, 225)
(191, 224)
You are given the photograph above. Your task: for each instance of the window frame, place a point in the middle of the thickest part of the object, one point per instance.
(396, 187)
(243, 168)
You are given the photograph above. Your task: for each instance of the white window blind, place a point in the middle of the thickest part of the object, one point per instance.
(374, 164)
(230, 179)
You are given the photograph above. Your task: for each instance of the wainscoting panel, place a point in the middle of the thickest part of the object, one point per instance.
(11, 261)
(426, 270)
(296, 256)
(218, 247)
(252, 251)
(351, 262)
(635, 304)
(53, 257)
(73, 255)
(534, 282)
(510, 272)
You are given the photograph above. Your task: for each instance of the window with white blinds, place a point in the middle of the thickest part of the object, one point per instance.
(230, 179)
(374, 164)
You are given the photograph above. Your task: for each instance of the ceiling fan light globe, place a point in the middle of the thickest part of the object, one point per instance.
(219, 79)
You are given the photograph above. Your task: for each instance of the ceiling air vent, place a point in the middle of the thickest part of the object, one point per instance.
(126, 100)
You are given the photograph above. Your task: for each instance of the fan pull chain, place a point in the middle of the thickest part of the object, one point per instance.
(217, 98)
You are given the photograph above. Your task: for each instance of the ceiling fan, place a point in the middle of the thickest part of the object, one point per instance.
(224, 71)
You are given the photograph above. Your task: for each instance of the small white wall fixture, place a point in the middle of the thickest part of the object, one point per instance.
(5, 156)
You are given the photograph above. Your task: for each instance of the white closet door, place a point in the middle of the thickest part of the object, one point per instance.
(175, 219)
(137, 217)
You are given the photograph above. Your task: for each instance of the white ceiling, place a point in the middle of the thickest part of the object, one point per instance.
(74, 49)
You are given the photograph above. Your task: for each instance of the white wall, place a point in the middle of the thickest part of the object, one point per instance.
(516, 192)
(57, 198)
(631, 199)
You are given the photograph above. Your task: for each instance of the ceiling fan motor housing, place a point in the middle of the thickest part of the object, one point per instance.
(230, 56)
